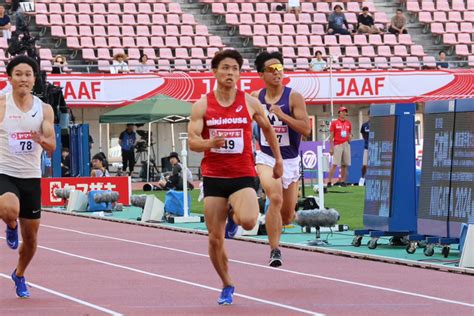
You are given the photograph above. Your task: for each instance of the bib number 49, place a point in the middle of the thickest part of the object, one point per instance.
(229, 144)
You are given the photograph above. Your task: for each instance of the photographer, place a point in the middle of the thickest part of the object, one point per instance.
(175, 179)
(127, 141)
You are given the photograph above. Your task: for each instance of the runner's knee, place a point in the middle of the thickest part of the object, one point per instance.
(9, 206)
(276, 199)
(248, 221)
(215, 241)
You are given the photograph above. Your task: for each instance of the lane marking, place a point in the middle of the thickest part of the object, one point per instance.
(292, 308)
(376, 287)
(68, 297)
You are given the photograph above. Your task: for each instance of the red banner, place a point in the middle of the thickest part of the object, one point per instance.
(347, 87)
(122, 185)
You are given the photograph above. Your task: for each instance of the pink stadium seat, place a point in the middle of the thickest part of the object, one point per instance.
(46, 65)
(160, 8)
(273, 29)
(452, 27)
(113, 19)
(142, 42)
(440, 16)
(335, 51)
(41, 8)
(417, 50)
(301, 40)
(368, 51)
(54, 8)
(180, 64)
(70, 31)
(172, 42)
(143, 30)
(368, 4)
(348, 63)
(196, 65)
(273, 41)
(316, 40)
(429, 61)
(99, 8)
(172, 30)
(320, 18)
(98, 42)
(381, 17)
(330, 40)
(84, 8)
(128, 19)
(317, 29)
(84, 19)
(164, 65)
(200, 41)
(99, 31)
(218, 8)
(188, 19)
(88, 54)
(247, 7)
(45, 53)
(375, 39)
(187, 30)
(381, 62)
(114, 8)
(470, 61)
(290, 18)
(390, 39)
(166, 53)
(261, 7)
(96, 19)
(133, 53)
(305, 18)
(442, 5)
(157, 30)
(289, 52)
(260, 18)
(455, 16)
(73, 42)
(322, 7)
(462, 50)
(128, 30)
(245, 30)
(352, 18)
(150, 52)
(129, 8)
(437, 28)
(412, 62)
(144, 8)
(384, 51)
(303, 29)
(157, 42)
(275, 18)
(85, 31)
(466, 27)
(303, 52)
(113, 30)
(158, 19)
(450, 39)
(302, 63)
(173, 19)
(464, 38)
(400, 50)
(128, 41)
(103, 65)
(396, 62)
(233, 8)
(413, 7)
(290, 29)
(143, 19)
(215, 41)
(197, 52)
(428, 5)
(174, 8)
(353, 7)
(424, 17)
(42, 20)
(345, 40)
(352, 51)
(470, 5)
(288, 64)
(365, 63)
(307, 7)
(405, 39)
(285, 41)
(186, 41)
(211, 51)
(360, 40)
(458, 5)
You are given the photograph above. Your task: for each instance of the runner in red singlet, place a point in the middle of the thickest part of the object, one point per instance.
(221, 127)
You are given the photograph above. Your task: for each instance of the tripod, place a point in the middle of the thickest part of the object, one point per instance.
(142, 154)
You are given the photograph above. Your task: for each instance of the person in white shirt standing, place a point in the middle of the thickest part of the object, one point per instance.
(26, 129)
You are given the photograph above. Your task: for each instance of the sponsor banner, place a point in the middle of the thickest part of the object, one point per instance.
(122, 185)
(347, 86)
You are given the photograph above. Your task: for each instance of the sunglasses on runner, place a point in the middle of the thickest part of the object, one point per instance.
(273, 68)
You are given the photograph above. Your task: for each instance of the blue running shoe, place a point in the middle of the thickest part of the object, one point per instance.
(20, 286)
(231, 227)
(227, 295)
(12, 237)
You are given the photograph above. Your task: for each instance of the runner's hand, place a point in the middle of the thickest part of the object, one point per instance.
(217, 142)
(331, 151)
(37, 137)
(276, 109)
(278, 169)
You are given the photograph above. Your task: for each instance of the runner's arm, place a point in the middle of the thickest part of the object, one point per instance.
(46, 138)
(300, 120)
(195, 127)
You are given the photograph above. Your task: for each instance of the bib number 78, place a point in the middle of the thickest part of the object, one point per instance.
(26, 145)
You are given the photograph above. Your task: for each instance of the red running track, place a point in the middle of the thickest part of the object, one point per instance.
(93, 267)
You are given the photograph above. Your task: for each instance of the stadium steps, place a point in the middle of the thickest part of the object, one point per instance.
(207, 18)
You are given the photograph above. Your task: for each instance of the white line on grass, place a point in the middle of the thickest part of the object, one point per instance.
(429, 297)
(68, 297)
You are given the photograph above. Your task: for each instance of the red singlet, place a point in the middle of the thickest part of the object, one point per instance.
(235, 159)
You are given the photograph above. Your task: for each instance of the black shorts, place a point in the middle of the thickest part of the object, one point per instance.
(28, 192)
(223, 187)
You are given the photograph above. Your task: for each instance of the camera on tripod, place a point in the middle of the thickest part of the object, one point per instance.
(21, 42)
(141, 145)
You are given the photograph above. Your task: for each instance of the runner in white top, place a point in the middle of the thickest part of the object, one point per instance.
(26, 129)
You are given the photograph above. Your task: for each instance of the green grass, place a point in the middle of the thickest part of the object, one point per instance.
(349, 202)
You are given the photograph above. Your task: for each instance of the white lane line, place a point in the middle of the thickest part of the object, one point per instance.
(296, 309)
(429, 297)
(96, 307)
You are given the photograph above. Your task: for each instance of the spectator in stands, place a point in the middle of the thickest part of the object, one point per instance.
(337, 20)
(5, 24)
(294, 6)
(127, 141)
(99, 166)
(119, 65)
(143, 67)
(398, 23)
(175, 179)
(65, 163)
(59, 62)
(442, 63)
(318, 63)
(365, 22)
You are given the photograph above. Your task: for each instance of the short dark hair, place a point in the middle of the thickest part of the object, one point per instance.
(441, 52)
(264, 56)
(365, 9)
(142, 56)
(65, 149)
(337, 6)
(400, 10)
(228, 53)
(318, 52)
(22, 59)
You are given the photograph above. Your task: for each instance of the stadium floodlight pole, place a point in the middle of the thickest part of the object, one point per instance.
(184, 155)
